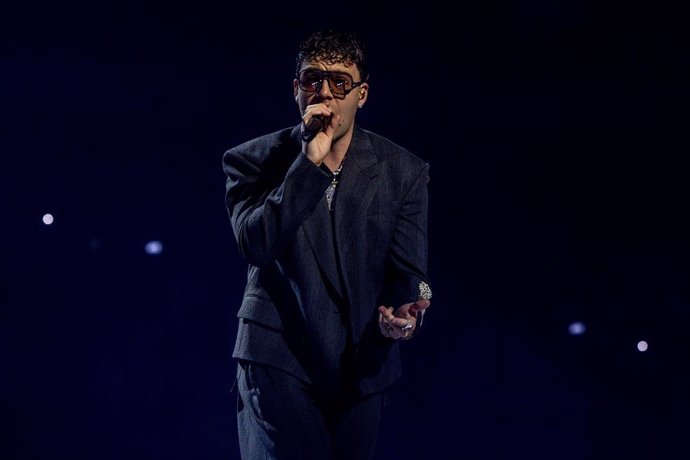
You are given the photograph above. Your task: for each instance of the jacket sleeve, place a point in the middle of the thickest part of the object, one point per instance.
(408, 255)
(265, 214)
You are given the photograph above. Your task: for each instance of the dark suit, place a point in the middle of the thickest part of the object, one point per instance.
(316, 277)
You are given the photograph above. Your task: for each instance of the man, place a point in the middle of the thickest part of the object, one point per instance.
(332, 221)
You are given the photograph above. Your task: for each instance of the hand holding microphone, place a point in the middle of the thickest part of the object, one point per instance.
(314, 127)
(318, 126)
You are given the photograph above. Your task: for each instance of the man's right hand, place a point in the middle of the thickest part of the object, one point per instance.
(317, 149)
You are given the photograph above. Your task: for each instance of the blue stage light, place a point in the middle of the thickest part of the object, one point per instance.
(153, 247)
(577, 328)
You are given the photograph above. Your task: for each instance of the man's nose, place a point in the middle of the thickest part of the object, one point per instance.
(325, 89)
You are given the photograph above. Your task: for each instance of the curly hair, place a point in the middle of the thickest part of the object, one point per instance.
(334, 47)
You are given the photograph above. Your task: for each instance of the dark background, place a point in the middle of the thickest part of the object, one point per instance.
(557, 134)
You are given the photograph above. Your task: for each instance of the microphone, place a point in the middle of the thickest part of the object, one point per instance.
(316, 124)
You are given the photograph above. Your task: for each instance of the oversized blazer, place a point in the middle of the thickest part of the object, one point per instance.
(298, 267)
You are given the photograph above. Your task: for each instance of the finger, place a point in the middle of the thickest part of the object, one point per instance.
(317, 109)
(392, 326)
(387, 312)
(390, 317)
(408, 331)
(405, 330)
(385, 315)
(400, 323)
(419, 306)
(398, 329)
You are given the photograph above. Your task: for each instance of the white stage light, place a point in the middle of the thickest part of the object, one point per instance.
(153, 247)
(577, 328)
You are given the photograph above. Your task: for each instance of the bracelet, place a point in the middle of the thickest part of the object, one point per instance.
(424, 291)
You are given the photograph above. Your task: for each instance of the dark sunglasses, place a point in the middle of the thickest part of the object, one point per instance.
(339, 83)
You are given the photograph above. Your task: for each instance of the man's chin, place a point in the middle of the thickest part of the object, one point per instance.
(338, 135)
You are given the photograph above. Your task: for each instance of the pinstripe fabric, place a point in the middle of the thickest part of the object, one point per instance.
(309, 289)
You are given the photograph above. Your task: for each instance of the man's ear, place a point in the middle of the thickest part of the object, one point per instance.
(363, 94)
(295, 88)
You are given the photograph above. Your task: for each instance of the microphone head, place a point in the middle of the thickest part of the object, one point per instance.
(316, 124)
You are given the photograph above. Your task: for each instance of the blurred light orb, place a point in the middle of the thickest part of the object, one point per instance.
(153, 247)
(95, 244)
(642, 345)
(577, 328)
(48, 219)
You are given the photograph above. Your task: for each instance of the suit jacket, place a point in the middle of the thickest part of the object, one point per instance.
(301, 270)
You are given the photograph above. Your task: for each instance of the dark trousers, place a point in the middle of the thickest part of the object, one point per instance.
(282, 417)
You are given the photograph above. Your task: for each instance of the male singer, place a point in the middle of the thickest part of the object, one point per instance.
(332, 220)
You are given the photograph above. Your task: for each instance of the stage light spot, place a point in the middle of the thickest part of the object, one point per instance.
(642, 345)
(153, 247)
(577, 328)
(48, 219)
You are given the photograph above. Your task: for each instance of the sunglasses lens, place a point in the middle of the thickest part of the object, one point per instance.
(310, 80)
(339, 83)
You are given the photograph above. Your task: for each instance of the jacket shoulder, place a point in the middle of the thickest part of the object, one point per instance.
(261, 146)
(390, 150)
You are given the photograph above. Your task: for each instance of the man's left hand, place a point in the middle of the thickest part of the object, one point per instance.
(401, 323)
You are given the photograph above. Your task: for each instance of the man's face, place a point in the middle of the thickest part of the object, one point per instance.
(346, 106)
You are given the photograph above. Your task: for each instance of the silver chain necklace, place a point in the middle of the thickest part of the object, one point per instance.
(330, 191)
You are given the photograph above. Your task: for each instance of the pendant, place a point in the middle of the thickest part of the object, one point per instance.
(330, 193)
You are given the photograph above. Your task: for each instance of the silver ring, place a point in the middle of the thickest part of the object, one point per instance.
(407, 326)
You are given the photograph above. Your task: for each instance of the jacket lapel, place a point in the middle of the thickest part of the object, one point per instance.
(320, 236)
(355, 191)
(354, 194)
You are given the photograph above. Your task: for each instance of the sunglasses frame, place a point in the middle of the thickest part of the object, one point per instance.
(326, 74)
